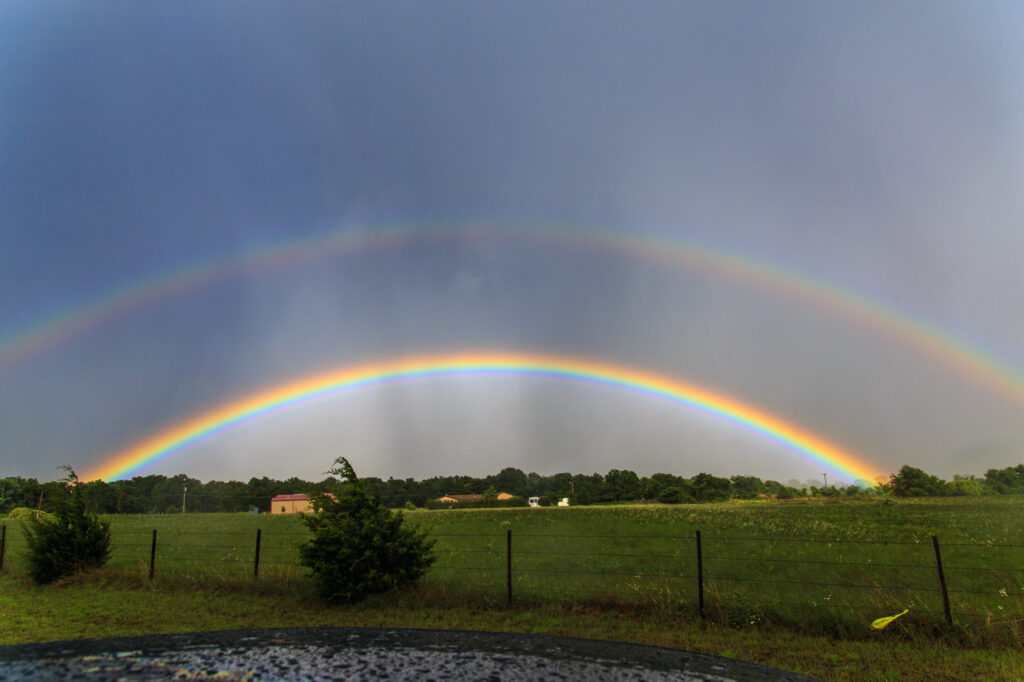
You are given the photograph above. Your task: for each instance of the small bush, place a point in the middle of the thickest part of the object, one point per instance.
(70, 542)
(358, 547)
(27, 513)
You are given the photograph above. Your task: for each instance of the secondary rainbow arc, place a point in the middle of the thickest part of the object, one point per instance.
(189, 432)
(907, 330)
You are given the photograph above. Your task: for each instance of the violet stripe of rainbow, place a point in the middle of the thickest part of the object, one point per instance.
(174, 439)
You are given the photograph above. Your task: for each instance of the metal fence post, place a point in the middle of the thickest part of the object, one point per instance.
(152, 556)
(3, 545)
(508, 563)
(700, 577)
(256, 561)
(942, 581)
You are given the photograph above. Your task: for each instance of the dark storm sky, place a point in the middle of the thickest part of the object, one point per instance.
(875, 147)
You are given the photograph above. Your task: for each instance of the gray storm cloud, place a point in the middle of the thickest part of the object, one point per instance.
(874, 147)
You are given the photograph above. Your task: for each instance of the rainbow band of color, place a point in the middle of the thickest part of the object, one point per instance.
(915, 333)
(200, 427)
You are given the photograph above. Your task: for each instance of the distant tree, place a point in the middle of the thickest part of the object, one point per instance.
(232, 497)
(586, 489)
(621, 485)
(823, 491)
(1006, 481)
(780, 491)
(70, 542)
(746, 487)
(708, 488)
(358, 547)
(100, 496)
(968, 485)
(913, 482)
(9, 490)
(657, 484)
(512, 481)
(491, 493)
(675, 495)
(560, 486)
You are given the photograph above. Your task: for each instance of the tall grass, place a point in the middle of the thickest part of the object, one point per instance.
(820, 567)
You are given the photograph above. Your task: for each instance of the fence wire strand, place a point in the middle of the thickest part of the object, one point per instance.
(182, 548)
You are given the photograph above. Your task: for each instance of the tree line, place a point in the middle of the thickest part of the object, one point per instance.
(163, 494)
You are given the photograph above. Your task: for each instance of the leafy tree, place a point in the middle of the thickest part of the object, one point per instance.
(586, 489)
(513, 481)
(100, 496)
(968, 485)
(491, 493)
(1006, 481)
(708, 488)
(71, 542)
(622, 485)
(746, 487)
(359, 547)
(913, 482)
(658, 485)
(560, 485)
(829, 491)
(7, 491)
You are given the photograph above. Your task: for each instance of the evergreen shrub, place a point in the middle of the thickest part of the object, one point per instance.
(69, 542)
(359, 547)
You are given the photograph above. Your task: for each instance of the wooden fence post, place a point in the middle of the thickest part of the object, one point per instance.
(152, 556)
(508, 563)
(942, 581)
(700, 577)
(256, 561)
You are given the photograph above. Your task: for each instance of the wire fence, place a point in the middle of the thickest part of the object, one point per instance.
(731, 577)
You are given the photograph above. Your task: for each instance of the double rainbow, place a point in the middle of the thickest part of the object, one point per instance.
(219, 419)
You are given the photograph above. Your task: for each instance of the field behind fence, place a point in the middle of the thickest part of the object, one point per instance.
(835, 566)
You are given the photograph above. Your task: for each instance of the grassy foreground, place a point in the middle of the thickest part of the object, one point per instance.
(98, 606)
(792, 585)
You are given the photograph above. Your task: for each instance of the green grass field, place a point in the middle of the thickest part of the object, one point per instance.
(772, 571)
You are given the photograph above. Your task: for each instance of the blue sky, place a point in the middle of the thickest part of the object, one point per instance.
(878, 147)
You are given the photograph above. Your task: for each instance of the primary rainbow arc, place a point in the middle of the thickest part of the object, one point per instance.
(176, 438)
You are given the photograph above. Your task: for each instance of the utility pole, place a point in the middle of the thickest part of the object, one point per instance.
(184, 489)
(825, 474)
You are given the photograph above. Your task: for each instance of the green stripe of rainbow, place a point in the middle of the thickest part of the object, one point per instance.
(184, 434)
